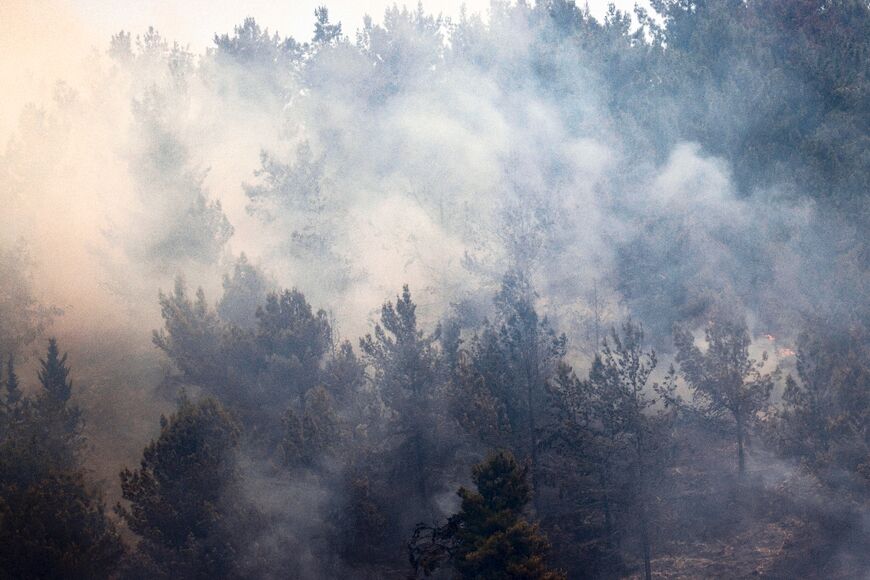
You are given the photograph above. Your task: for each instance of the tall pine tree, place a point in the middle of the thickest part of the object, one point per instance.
(404, 363)
(52, 523)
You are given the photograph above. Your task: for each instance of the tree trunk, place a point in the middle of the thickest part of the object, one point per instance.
(641, 495)
(420, 466)
(532, 376)
(533, 451)
(741, 461)
(644, 540)
(605, 500)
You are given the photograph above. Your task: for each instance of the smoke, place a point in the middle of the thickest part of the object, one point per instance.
(436, 169)
(412, 155)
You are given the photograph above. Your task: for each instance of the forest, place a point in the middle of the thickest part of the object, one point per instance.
(534, 294)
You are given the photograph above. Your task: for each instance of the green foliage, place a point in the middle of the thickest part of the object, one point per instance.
(738, 55)
(489, 538)
(293, 340)
(54, 375)
(56, 528)
(51, 524)
(58, 420)
(192, 337)
(405, 370)
(403, 358)
(181, 498)
(629, 436)
(344, 374)
(476, 408)
(24, 317)
(42, 435)
(258, 371)
(617, 437)
(263, 62)
(405, 48)
(189, 226)
(362, 522)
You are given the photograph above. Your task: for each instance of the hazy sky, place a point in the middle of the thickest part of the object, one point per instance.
(196, 21)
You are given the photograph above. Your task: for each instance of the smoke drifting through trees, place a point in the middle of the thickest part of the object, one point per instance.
(531, 180)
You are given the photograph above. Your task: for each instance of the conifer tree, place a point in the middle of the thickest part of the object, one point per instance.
(489, 539)
(44, 435)
(54, 374)
(58, 420)
(52, 525)
(56, 527)
(312, 433)
(13, 388)
(727, 385)
(293, 339)
(192, 339)
(324, 31)
(404, 364)
(244, 292)
(826, 409)
(517, 358)
(363, 527)
(181, 498)
(344, 375)
(628, 434)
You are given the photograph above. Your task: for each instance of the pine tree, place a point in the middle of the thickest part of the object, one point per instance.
(489, 539)
(13, 388)
(56, 528)
(324, 31)
(475, 407)
(54, 374)
(58, 420)
(244, 292)
(51, 524)
(182, 499)
(628, 434)
(826, 409)
(257, 372)
(495, 541)
(404, 362)
(517, 358)
(192, 339)
(312, 434)
(727, 385)
(293, 340)
(42, 435)
(344, 375)
(363, 527)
